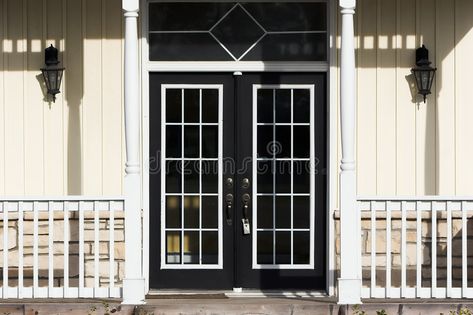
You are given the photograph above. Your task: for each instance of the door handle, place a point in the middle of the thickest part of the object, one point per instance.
(228, 208)
(245, 221)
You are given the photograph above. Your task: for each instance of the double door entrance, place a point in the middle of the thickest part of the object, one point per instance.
(237, 181)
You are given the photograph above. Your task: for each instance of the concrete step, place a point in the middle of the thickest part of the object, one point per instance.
(175, 305)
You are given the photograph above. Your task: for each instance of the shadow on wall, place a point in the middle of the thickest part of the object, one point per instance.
(73, 27)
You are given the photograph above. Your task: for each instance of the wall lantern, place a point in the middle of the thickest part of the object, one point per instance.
(52, 74)
(423, 72)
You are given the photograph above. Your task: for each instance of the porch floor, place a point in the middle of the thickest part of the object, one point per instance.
(193, 305)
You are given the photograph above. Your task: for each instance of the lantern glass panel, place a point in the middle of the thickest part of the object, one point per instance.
(425, 80)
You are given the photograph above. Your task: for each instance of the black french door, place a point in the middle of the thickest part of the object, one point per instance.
(237, 181)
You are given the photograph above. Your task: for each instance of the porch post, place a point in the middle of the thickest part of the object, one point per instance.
(349, 283)
(133, 284)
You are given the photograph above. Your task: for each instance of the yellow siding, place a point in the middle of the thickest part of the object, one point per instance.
(406, 147)
(73, 146)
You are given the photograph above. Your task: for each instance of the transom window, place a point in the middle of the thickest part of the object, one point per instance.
(240, 31)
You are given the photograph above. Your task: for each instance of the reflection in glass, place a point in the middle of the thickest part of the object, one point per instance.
(173, 212)
(209, 212)
(173, 177)
(173, 141)
(191, 176)
(191, 105)
(301, 177)
(173, 105)
(283, 247)
(209, 247)
(283, 212)
(283, 141)
(265, 177)
(173, 247)
(185, 47)
(237, 31)
(209, 171)
(209, 141)
(265, 105)
(301, 141)
(283, 105)
(301, 106)
(283, 176)
(290, 47)
(187, 16)
(210, 106)
(191, 141)
(191, 211)
(301, 212)
(264, 248)
(289, 16)
(191, 247)
(301, 243)
(265, 212)
(266, 145)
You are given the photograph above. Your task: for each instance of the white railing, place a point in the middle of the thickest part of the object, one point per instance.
(61, 247)
(416, 247)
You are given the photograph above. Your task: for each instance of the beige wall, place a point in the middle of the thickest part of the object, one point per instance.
(73, 146)
(406, 147)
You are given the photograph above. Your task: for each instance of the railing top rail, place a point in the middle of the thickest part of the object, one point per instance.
(61, 198)
(415, 198)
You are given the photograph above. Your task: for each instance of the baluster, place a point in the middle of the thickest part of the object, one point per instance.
(20, 250)
(111, 271)
(50, 248)
(449, 248)
(373, 248)
(6, 207)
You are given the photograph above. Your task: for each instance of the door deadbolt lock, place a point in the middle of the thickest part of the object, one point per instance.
(245, 183)
(229, 182)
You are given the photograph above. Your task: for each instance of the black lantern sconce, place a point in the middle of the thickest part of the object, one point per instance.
(423, 72)
(52, 74)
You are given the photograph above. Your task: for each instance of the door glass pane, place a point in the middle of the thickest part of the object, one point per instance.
(283, 173)
(173, 247)
(191, 247)
(191, 212)
(210, 106)
(209, 212)
(191, 141)
(192, 222)
(209, 248)
(173, 141)
(265, 248)
(173, 177)
(173, 105)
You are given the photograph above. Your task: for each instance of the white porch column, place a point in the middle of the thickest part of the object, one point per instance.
(134, 283)
(349, 283)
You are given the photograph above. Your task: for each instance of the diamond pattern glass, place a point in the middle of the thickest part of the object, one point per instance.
(266, 31)
(237, 32)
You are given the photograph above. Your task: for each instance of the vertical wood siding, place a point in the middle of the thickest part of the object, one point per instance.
(73, 146)
(406, 147)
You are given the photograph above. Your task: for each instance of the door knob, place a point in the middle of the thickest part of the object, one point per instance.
(245, 183)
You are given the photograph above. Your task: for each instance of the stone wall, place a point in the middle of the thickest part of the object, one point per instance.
(58, 247)
(411, 241)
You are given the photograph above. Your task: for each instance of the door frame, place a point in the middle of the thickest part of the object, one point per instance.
(330, 68)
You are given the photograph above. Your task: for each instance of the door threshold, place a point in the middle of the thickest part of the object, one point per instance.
(225, 294)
